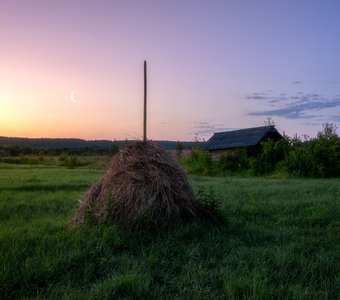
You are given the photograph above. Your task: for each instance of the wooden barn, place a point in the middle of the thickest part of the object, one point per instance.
(230, 142)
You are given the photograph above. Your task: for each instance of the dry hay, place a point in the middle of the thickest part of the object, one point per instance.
(143, 185)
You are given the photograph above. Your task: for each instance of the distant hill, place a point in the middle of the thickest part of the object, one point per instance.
(72, 143)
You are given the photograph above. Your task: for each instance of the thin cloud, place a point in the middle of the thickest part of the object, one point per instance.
(206, 129)
(258, 96)
(298, 106)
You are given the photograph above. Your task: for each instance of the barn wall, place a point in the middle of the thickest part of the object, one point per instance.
(217, 154)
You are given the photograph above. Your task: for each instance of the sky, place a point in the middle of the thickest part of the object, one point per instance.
(74, 68)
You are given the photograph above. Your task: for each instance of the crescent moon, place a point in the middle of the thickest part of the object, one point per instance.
(72, 97)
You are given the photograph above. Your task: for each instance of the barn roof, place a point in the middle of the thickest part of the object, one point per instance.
(241, 138)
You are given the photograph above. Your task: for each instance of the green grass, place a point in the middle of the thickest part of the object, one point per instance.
(70, 161)
(281, 240)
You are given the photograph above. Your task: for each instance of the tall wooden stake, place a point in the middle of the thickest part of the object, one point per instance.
(145, 94)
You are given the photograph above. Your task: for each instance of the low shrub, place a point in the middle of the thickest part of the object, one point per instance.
(199, 163)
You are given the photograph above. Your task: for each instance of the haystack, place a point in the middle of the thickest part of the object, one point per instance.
(143, 185)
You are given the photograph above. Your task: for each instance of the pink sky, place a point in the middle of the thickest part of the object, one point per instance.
(212, 66)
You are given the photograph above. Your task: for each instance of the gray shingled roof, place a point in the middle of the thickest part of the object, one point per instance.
(239, 138)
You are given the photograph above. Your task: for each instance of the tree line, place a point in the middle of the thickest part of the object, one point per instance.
(12, 146)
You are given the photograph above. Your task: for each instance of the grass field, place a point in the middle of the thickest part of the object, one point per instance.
(281, 240)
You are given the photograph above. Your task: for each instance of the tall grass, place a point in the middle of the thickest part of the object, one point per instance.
(280, 241)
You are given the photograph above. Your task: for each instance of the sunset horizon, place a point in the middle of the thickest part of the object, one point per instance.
(75, 69)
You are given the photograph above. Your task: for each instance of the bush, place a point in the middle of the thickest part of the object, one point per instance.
(326, 152)
(73, 161)
(207, 197)
(237, 162)
(199, 163)
(273, 152)
(319, 157)
(297, 161)
(70, 161)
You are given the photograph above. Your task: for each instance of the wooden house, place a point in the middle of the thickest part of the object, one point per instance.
(231, 142)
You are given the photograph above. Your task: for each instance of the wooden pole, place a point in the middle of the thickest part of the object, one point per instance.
(145, 94)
